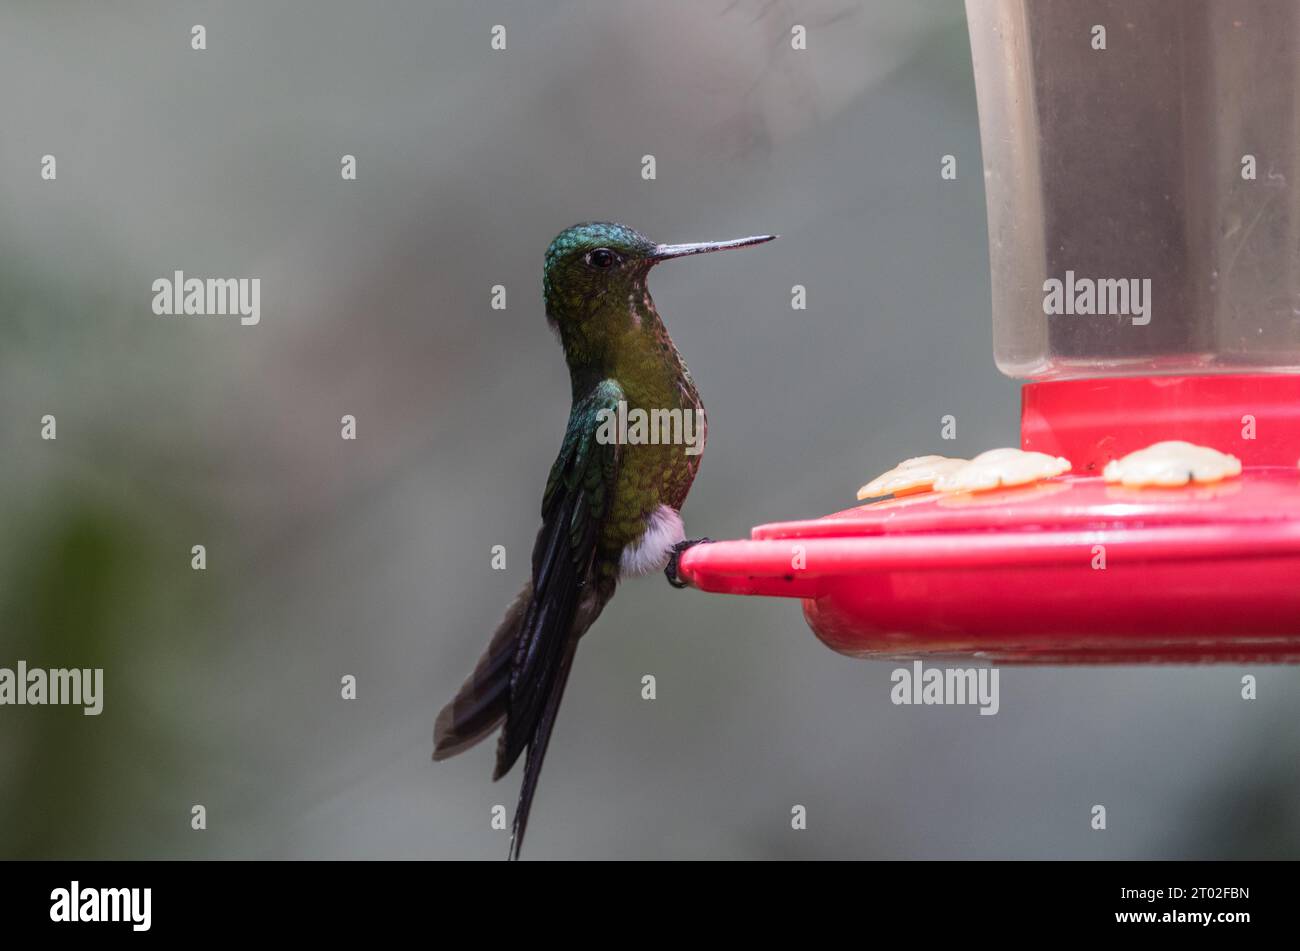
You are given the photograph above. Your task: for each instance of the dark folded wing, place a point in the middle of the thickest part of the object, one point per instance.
(574, 507)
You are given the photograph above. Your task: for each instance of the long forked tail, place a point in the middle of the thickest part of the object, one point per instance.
(537, 750)
(479, 706)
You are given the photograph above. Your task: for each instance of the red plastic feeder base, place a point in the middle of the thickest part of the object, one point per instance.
(1072, 569)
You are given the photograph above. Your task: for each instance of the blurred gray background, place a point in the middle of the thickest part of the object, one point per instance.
(372, 557)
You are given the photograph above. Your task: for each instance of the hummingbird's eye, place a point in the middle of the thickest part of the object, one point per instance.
(602, 258)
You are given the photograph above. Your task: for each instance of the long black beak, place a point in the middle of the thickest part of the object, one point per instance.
(663, 252)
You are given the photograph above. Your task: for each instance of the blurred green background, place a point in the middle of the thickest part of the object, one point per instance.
(372, 557)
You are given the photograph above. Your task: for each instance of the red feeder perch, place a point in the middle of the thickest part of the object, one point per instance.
(1122, 176)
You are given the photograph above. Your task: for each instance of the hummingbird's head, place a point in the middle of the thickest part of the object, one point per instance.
(594, 282)
(590, 270)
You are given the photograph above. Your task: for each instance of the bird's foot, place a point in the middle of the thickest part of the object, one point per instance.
(670, 570)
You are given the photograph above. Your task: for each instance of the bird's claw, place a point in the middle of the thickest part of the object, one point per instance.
(670, 569)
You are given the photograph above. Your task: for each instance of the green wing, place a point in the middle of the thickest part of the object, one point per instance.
(574, 507)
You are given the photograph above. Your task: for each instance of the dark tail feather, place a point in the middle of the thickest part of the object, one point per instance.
(537, 750)
(480, 704)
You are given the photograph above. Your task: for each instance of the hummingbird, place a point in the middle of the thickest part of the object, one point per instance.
(611, 507)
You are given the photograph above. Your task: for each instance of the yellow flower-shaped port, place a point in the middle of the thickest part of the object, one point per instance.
(1172, 463)
(910, 476)
(1002, 468)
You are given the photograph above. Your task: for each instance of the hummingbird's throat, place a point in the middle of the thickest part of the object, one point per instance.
(641, 307)
(608, 328)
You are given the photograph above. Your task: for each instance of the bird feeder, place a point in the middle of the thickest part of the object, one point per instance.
(1141, 165)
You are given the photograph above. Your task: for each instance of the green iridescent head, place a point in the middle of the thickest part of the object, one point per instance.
(594, 281)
